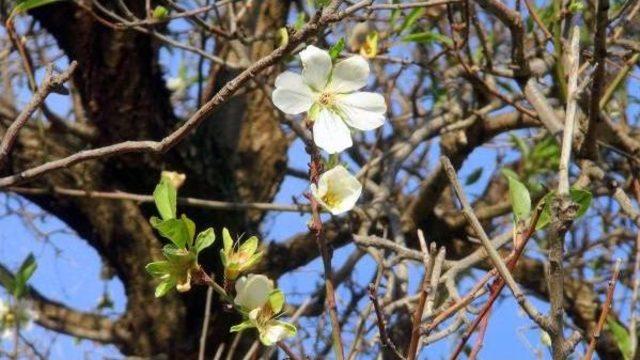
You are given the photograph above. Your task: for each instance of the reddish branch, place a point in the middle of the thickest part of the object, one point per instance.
(315, 170)
(606, 307)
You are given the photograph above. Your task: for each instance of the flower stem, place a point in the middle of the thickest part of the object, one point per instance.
(315, 169)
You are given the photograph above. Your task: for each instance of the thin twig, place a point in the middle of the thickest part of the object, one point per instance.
(330, 15)
(495, 258)
(605, 310)
(51, 83)
(205, 324)
(573, 60)
(315, 169)
(287, 350)
(382, 328)
(419, 4)
(185, 201)
(425, 289)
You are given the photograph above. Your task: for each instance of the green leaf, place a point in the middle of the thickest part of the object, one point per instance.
(223, 258)
(428, 37)
(474, 176)
(250, 246)
(545, 216)
(27, 268)
(582, 198)
(520, 198)
(175, 230)
(227, 241)
(160, 12)
(191, 229)
(520, 144)
(411, 19)
(276, 300)
(27, 5)
(204, 240)
(164, 287)
(178, 256)
(622, 338)
(158, 268)
(165, 196)
(510, 173)
(242, 326)
(300, 20)
(7, 281)
(336, 49)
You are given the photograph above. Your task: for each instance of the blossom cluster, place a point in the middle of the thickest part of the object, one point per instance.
(329, 93)
(330, 96)
(256, 298)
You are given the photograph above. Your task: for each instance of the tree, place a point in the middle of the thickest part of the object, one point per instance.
(456, 77)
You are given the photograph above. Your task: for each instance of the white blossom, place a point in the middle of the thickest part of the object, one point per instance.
(330, 94)
(337, 190)
(271, 331)
(253, 291)
(176, 84)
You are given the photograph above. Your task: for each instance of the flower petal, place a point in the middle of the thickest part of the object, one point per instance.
(275, 331)
(253, 291)
(292, 96)
(349, 75)
(345, 187)
(316, 67)
(363, 110)
(330, 132)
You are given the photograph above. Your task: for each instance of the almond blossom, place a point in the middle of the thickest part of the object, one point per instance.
(256, 295)
(337, 190)
(329, 93)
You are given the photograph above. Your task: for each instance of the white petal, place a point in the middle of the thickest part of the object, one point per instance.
(330, 132)
(253, 291)
(316, 67)
(349, 75)
(363, 110)
(292, 96)
(276, 331)
(344, 186)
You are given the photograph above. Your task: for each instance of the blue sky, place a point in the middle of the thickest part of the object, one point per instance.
(69, 270)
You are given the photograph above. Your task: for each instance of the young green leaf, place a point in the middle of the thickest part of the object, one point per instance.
(276, 301)
(165, 196)
(545, 216)
(164, 287)
(520, 198)
(474, 176)
(247, 324)
(520, 144)
(582, 198)
(6, 280)
(411, 19)
(27, 268)
(428, 37)
(158, 268)
(27, 5)
(510, 173)
(204, 240)
(336, 49)
(622, 338)
(176, 230)
(160, 12)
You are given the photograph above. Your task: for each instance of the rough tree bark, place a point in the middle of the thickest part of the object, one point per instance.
(123, 93)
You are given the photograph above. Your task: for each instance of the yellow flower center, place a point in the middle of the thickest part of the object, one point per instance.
(326, 99)
(331, 199)
(239, 257)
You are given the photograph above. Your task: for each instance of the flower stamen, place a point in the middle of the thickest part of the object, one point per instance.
(326, 99)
